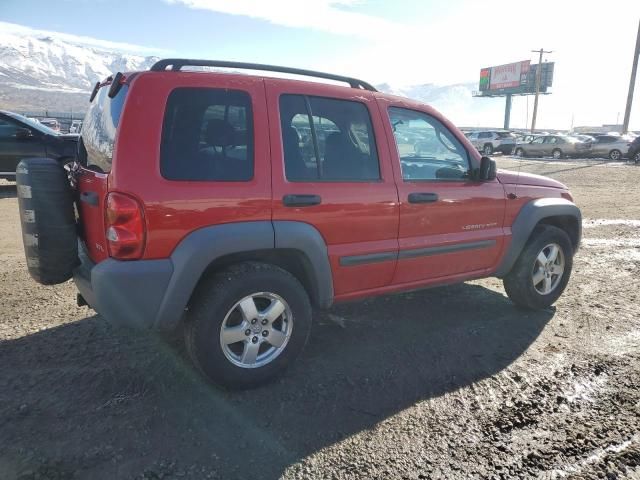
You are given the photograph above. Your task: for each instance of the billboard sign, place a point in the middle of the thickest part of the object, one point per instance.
(518, 78)
(510, 75)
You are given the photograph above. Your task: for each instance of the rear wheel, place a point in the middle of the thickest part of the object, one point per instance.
(247, 323)
(636, 158)
(557, 153)
(615, 154)
(542, 271)
(487, 149)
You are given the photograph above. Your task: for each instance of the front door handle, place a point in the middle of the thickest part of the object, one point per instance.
(301, 200)
(422, 197)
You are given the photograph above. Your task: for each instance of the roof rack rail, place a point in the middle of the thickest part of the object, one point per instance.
(177, 63)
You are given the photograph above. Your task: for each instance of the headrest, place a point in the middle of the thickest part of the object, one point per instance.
(220, 133)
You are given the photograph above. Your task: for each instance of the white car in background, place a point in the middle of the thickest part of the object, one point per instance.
(489, 141)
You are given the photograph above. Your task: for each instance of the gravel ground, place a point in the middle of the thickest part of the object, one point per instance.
(451, 382)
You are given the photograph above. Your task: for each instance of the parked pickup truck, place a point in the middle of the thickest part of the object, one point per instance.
(232, 204)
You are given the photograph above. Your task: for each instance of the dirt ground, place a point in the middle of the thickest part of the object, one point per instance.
(448, 383)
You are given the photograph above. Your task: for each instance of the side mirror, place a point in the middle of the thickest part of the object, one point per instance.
(488, 169)
(23, 133)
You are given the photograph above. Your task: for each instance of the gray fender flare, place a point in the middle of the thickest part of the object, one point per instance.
(199, 249)
(528, 217)
(307, 239)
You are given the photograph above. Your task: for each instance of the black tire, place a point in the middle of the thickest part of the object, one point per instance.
(216, 296)
(518, 283)
(615, 155)
(487, 149)
(519, 152)
(557, 153)
(636, 158)
(47, 217)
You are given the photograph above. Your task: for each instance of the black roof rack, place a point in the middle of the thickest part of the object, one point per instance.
(177, 63)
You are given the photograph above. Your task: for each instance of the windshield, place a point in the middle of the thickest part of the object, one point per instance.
(33, 124)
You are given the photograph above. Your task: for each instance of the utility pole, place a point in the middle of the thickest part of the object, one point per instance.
(507, 112)
(538, 75)
(632, 84)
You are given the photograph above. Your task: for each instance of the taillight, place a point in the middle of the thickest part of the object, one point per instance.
(124, 225)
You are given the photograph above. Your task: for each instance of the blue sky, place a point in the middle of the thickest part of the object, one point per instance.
(174, 28)
(403, 42)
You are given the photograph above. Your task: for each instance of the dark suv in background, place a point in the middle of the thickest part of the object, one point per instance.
(21, 137)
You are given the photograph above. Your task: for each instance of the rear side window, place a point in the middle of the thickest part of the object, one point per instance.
(99, 129)
(326, 139)
(207, 136)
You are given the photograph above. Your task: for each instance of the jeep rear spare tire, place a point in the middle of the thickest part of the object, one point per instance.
(47, 219)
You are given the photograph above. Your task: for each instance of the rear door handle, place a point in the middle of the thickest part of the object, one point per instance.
(301, 200)
(421, 197)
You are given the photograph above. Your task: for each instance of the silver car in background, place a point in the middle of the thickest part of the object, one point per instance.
(610, 146)
(556, 146)
(490, 141)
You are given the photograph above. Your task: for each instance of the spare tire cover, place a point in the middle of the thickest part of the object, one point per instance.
(48, 220)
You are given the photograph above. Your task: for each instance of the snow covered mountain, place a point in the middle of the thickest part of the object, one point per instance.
(38, 72)
(46, 72)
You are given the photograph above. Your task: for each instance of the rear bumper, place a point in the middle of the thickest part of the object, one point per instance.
(125, 293)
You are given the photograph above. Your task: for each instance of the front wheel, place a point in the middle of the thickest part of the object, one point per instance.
(636, 158)
(542, 271)
(557, 154)
(519, 152)
(615, 155)
(487, 149)
(246, 324)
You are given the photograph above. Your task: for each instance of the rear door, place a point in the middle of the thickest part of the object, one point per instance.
(549, 145)
(331, 169)
(600, 147)
(450, 225)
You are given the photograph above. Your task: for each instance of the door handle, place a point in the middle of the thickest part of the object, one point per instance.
(89, 197)
(421, 197)
(301, 200)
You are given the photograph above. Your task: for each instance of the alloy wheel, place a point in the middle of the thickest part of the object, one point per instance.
(256, 330)
(548, 269)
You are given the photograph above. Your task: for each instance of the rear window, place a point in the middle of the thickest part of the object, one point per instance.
(99, 129)
(207, 136)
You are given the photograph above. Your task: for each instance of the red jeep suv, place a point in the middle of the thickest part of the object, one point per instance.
(233, 203)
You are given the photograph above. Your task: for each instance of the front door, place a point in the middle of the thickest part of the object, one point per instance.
(536, 147)
(331, 169)
(450, 225)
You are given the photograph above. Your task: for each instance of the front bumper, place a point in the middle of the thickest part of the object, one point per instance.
(124, 293)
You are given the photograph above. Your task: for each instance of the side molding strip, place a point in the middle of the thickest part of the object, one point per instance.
(428, 251)
(413, 253)
(370, 258)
